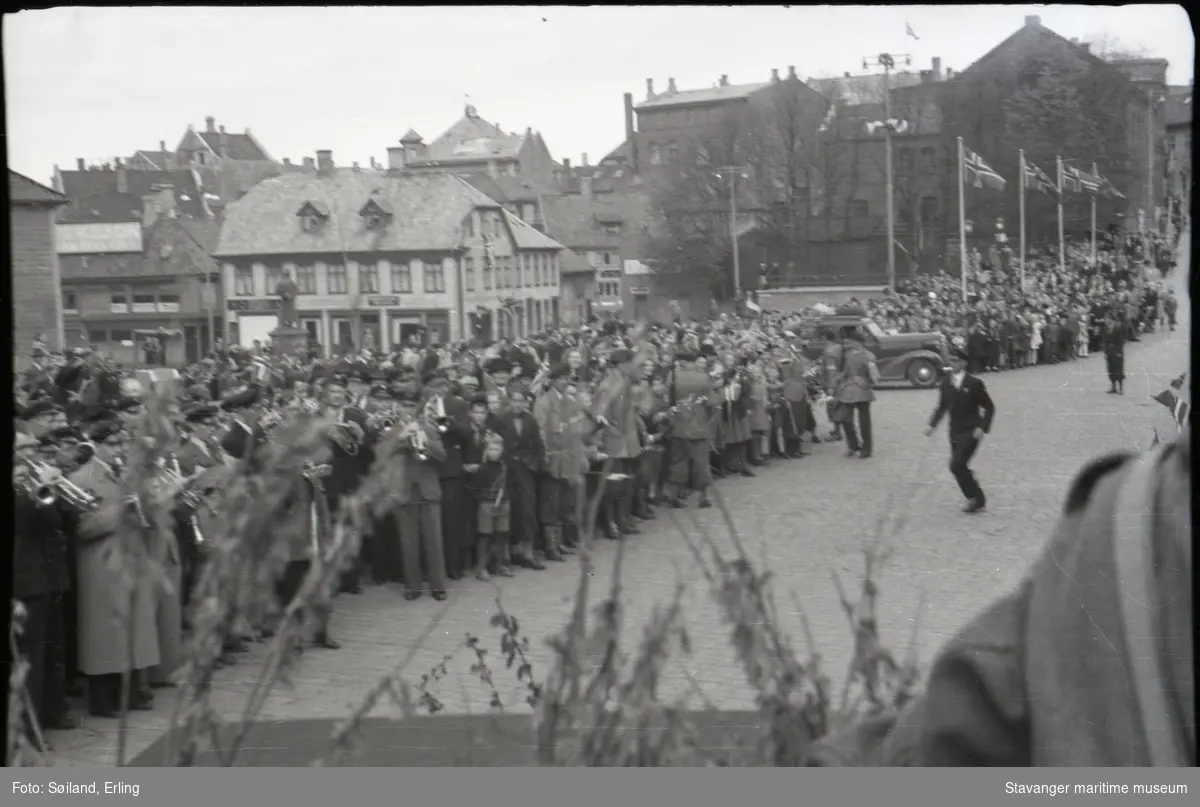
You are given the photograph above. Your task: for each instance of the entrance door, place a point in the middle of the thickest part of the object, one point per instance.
(405, 331)
(371, 337)
(343, 335)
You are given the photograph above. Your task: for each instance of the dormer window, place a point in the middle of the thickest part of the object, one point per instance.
(313, 215)
(375, 212)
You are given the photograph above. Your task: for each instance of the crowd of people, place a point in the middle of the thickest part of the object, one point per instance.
(502, 444)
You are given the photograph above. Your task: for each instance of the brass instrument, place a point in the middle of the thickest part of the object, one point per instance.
(47, 493)
(382, 420)
(343, 434)
(413, 435)
(435, 413)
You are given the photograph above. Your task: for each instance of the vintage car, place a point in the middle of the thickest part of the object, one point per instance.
(916, 358)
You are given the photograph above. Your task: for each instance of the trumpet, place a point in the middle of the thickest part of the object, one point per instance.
(414, 434)
(47, 493)
(344, 435)
(435, 413)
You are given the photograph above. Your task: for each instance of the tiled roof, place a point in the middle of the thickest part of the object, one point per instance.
(1179, 106)
(430, 211)
(526, 237)
(860, 90)
(508, 189)
(158, 158)
(182, 257)
(411, 136)
(240, 176)
(238, 146)
(22, 189)
(573, 221)
(572, 263)
(94, 196)
(704, 96)
(472, 138)
(205, 233)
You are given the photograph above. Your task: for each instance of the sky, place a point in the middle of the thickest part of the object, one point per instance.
(100, 83)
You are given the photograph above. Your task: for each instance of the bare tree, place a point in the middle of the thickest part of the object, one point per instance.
(1109, 47)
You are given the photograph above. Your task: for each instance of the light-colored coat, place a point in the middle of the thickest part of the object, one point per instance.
(614, 402)
(103, 629)
(854, 380)
(565, 454)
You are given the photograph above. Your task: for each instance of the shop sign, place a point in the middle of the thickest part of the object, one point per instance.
(261, 305)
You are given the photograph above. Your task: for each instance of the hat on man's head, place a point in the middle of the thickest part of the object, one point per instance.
(200, 412)
(105, 429)
(685, 355)
(432, 376)
(407, 395)
(498, 365)
(480, 398)
(558, 370)
(620, 356)
(958, 353)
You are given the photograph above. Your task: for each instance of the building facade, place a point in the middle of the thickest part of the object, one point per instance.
(382, 258)
(36, 304)
(135, 251)
(1179, 146)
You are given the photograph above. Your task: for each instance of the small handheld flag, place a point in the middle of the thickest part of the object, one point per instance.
(908, 30)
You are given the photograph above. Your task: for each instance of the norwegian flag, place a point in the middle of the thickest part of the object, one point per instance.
(1038, 180)
(1110, 190)
(1181, 410)
(1084, 181)
(978, 173)
(1070, 182)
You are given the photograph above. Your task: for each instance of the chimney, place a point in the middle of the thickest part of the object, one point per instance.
(774, 74)
(395, 158)
(629, 134)
(324, 161)
(224, 142)
(491, 168)
(649, 89)
(937, 67)
(210, 124)
(150, 209)
(80, 165)
(1087, 46)
(583, 160)
(308, 164)
(222, 129)
(792, 71)
(671, 86)
(724, 80)
(585, 184)
(122, 177)
(1033, 21)
(287, 162)
(354, 165)
(846, 74)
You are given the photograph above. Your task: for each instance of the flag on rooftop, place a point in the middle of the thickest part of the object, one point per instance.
(1084, 180)
(908, 30)
(978, 173)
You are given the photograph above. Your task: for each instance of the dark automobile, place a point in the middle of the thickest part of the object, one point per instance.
(915, 358)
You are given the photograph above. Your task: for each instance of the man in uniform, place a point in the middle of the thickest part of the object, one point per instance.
(692, 401)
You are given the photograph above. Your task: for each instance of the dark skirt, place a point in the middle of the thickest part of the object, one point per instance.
(1116, 366)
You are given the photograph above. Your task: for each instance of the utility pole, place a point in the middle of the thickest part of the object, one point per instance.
(888, 61)
(732, 172)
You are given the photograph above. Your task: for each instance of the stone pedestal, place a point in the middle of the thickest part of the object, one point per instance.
(287, 341)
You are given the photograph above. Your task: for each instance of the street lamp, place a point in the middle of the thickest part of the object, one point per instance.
(890, 126)
(733, 171)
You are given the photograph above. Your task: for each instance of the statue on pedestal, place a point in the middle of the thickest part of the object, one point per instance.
(287, 291)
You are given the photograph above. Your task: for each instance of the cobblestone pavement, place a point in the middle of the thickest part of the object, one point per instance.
(803, 519)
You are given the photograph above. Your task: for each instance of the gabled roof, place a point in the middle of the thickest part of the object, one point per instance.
(508, 189)
(411, 136)
(574, 221)
(314, 206)
(1032, 28)
(708, 95)
(94, 198)
(430, 212)
(376, 202)
(23, 190)
(159, 159)
(472, 139)
(238, 146)
(526, 237)
(572, 263)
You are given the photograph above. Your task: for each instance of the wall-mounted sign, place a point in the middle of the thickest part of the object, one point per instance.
(612, 274)
(635, 267)
(168, 308)
(383, 300)
(144, 308)
(75, 239)
(255, 306)
(119, 308)
(640, 291)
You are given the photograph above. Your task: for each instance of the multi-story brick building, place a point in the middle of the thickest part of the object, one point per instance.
(381, 256)
(36, 304)
(135, 251)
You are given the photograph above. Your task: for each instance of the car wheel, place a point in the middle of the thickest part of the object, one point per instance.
(922, 374)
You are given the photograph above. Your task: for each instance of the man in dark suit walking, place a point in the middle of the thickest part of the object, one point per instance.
(971, 410)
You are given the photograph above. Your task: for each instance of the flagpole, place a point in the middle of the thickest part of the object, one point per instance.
(1021, 205)
(962, 221)
(1095, 173)
(1062, 250)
